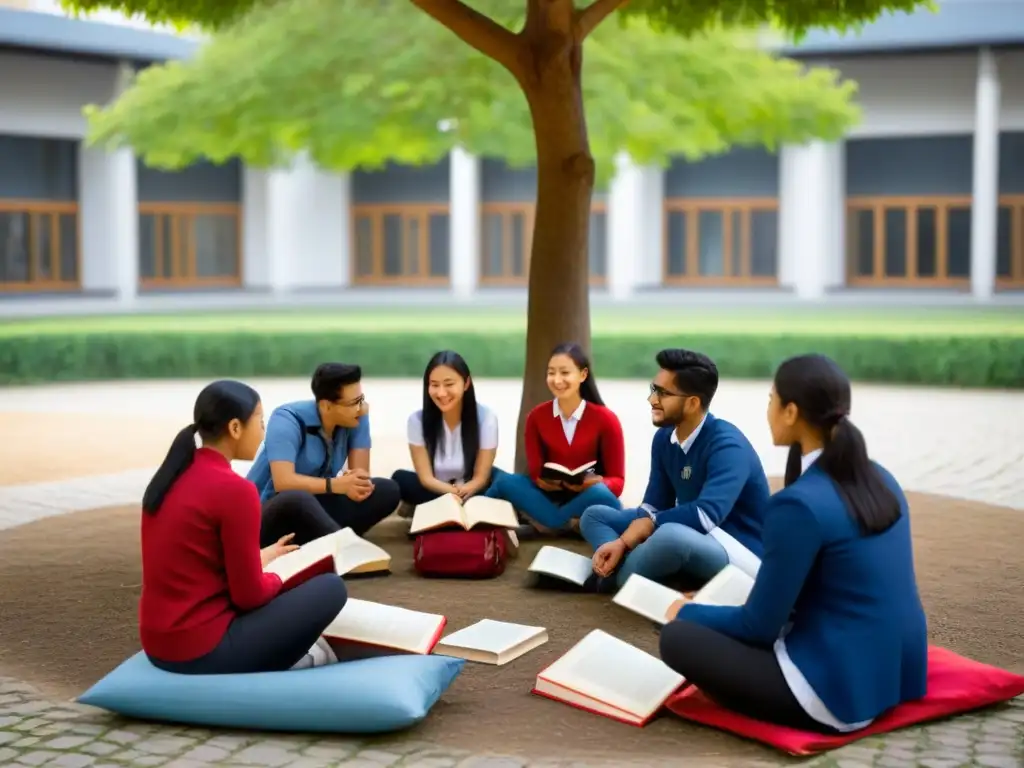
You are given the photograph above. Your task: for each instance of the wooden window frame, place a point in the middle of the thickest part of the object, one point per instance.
(184, 276)
(528, 210)
(1015, 281)
(407, 211)
(692, 208)
(55, 208)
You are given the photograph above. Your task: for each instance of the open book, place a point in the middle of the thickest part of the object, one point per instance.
(609, 677)
(492, 642)
(447, 510)
(342, 552)
(730, 586)
(562, 564)
(559, 473)
(384, 626)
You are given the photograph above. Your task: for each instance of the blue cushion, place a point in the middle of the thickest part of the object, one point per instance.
(375, 695)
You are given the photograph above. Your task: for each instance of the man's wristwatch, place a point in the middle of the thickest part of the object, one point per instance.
(327, 480)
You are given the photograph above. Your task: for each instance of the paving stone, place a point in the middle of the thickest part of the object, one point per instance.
(72, 760)
(28, 741)
(206, 753)
(328, 751)
(380, 757)
(430, 762)
(100, 748)
(492, 761)
(845, 763)
(150, 761)
(67, 742)
(38, 757)
(9, 721)
(170, 745)
(258, 754)
(6, 754)
(1000, 761)
(311, 762)
(941, 762)
(6, 736)
(122, 737)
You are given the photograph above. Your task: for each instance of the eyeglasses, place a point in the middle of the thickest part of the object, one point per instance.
(352, 403)
(660, 393)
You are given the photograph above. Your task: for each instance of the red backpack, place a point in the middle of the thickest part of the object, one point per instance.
(476, 554)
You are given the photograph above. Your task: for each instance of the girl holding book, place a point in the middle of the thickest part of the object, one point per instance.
(573, 430)
(452, 438)
(833, 633)
(207, 606)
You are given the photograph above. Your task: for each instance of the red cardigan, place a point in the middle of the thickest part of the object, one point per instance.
(598, 437)
(201, 561)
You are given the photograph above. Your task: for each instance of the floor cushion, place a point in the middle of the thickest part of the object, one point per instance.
(368, 696)
(955, 685)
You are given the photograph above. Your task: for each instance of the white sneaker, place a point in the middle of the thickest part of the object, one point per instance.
(320, 655)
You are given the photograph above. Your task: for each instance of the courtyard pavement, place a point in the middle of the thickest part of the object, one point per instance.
(959, 443)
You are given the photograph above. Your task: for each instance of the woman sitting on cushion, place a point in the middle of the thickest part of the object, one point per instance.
(207, 606)
(572, 430)
(452, 439)
(833, 633)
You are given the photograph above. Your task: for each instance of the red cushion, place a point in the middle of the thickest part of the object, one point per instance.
(955, 685)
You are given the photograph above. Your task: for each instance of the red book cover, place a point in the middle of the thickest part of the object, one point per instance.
(349, 650)
(323, 565)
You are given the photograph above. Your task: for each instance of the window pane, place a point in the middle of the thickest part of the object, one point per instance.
(68, 247)
(895, 242)
(862, 238)
(411, 267)
(519, 245)
(598, 254)
(364, 246)
(927, 244)
(958, 239)
(764, 243)
(216, 244)
(14, 251)
(1004, 242)
(676, 243)
(439, 243)
(43, 246)
(711, 231)
(392, 245)
(492, 244)
(168, 253)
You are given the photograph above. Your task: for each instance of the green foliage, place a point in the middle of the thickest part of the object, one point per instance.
(979, 361)
(376, 86)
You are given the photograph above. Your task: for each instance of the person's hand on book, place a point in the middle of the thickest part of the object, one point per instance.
(464, 491)
(280, 547)
(547, 485)
(608, 556)
(673, 610)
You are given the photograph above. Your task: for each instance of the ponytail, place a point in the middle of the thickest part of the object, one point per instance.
(178, 459)
(794, 464)
(588, 390)
(844, 458)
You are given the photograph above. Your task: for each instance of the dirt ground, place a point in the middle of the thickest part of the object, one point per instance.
(70, 587)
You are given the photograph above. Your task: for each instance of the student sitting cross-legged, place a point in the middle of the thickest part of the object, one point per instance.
(207, 607)
(833, 633)
(704, 475)
(572, 430)
(452, 439)
(307, 446)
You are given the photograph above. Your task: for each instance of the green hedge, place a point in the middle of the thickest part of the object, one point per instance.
(974, 361)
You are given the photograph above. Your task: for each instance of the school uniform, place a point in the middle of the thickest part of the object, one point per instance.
(449, 464)
(833, 632)
(591, 433)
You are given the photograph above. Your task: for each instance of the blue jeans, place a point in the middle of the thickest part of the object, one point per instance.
(673, 549)
(551, 510)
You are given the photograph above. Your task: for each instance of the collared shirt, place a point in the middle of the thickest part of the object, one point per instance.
(569, 424)
(449, 462)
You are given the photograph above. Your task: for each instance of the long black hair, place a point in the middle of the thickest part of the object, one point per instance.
(588, 389)
(217, 405)
(433, 426)
(821, 392)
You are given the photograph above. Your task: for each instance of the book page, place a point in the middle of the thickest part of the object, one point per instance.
(387, 625)
(444, 510)
(647, 598)
(356, 552)
(730, 586)
(287, 566)
(738, 554)
(491, 636)
(614, 672)
(562, 564)
(481, 509)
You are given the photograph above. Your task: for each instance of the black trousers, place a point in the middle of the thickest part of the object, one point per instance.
(310, 517)
(412, 490)
(274, 637)
(740, 677)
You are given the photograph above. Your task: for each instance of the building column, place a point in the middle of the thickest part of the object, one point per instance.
(811, 222)
(109, 215)
(625, 227)
(464, 222)
(985, 186)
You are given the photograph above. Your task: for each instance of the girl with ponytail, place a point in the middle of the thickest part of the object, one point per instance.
(207, 605)
(833, 631)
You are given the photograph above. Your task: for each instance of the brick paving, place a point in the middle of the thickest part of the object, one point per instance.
(908, 430)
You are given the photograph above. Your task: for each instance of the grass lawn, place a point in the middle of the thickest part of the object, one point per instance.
(632, 321)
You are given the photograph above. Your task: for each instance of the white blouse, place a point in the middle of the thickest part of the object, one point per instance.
(449, 463)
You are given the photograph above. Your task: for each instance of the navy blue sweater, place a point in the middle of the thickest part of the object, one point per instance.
(719, 481)
(859, 633)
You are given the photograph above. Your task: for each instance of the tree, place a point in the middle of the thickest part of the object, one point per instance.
(356, 82)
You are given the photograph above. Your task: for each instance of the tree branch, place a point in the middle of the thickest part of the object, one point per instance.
(590, 17)
(475, 29)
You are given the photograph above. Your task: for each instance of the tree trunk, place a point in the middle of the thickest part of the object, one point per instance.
(559, 281)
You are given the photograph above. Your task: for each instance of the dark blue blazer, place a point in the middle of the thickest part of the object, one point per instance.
(859, 633)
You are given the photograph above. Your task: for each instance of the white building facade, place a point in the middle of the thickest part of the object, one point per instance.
(925, 194)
